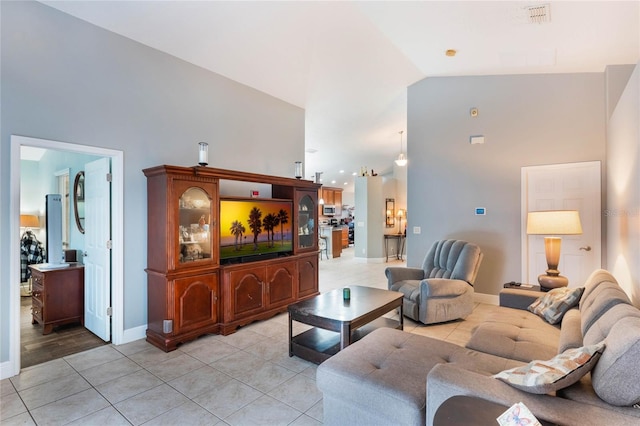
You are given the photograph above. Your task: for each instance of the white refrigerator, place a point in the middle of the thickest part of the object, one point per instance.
(55, 252)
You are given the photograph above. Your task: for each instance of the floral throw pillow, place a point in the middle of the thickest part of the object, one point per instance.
(559, 372)
(553, 305)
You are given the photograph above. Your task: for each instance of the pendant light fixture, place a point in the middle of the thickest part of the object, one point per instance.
(402, 160)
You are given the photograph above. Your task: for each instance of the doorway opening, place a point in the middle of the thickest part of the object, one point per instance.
(117, 218)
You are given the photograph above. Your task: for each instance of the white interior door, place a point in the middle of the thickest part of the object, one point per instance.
(97, 255)
(574, 186)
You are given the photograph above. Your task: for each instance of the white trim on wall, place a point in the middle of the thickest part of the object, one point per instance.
(12, 366)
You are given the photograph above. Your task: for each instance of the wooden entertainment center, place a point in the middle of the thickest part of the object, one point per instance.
(189, 291)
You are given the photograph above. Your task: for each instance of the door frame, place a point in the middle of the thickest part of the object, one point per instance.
(117, 236)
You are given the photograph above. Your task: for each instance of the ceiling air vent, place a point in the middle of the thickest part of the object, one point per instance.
(539, 14)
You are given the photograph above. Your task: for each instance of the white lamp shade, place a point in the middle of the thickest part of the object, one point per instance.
(554, 222)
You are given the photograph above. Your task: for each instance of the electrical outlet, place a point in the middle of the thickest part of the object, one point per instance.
(417, 230)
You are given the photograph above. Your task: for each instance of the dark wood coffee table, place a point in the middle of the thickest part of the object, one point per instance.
(471, 411)
(338, 322)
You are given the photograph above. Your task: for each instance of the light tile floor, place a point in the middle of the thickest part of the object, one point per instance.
(246, 378)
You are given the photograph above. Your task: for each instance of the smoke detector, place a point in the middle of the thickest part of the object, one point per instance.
(540, 14)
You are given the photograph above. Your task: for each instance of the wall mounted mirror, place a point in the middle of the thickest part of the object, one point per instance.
(390, 207)
(78, 200)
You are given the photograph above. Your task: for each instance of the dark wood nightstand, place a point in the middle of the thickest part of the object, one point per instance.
(57, 296)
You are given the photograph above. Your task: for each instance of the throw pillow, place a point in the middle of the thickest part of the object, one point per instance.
(553, 305)
(559, 372)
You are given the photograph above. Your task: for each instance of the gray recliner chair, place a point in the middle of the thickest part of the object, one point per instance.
(442, 290)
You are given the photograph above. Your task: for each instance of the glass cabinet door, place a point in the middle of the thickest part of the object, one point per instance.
(307, 232)
(194, 226)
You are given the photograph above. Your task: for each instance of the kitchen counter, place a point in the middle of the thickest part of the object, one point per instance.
(334, 238)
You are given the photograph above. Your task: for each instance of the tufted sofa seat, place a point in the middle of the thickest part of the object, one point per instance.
(516, 334)
(389, 371)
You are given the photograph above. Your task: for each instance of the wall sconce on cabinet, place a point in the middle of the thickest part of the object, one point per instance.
(390, 207)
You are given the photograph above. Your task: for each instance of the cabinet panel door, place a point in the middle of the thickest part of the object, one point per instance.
(281, 280)
(247, 289)
(193, 223)
(306, 221)
(307, 276)
(196, 302)
(337, 200)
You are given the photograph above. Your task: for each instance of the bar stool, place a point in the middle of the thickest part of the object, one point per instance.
(323, 246)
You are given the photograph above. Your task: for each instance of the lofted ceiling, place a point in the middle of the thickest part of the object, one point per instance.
(348, 64)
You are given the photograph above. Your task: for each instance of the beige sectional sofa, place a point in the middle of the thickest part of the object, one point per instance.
(395, 377)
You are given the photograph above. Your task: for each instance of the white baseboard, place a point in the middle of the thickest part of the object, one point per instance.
(7, 370)
(132, 334)
(489, 299)
(369, 259)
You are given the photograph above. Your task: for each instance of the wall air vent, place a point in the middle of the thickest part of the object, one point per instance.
(540, 14)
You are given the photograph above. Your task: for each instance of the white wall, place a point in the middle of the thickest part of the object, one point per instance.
(622, 214)
(66, 80)
(370, 218)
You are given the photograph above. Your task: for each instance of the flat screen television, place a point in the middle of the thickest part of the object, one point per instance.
(254, 229)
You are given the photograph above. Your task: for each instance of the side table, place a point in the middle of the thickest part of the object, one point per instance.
(519, 297)
(519, 286)
(399, 245)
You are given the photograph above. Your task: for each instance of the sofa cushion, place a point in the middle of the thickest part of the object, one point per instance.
(553, 305)
(515, 334)
(599, 301)
(596, 278)
(570, 334)
(548, 376)
(616, 377)
(601, 328)
(385, 373)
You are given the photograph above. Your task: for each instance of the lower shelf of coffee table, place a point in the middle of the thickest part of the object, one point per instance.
(317, 345)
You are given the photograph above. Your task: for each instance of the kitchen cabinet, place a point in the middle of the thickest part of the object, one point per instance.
(331, 197)
(345, 237)
(336, 242)
(334, 239)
